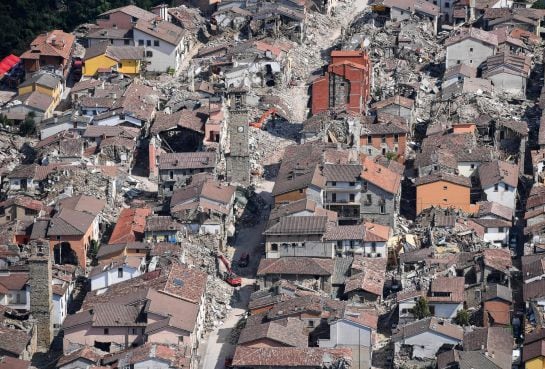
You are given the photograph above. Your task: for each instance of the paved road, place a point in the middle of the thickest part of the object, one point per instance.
(216, 346)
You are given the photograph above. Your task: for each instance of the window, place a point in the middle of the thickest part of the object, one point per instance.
(148, 42)
(470, 49)
(274, 247)
(373, 247)
(369, 200)
(134, 331)
(58, 238)
(472, 166)
(311, 323)
(500, 229)
(369, 139)
(445, 200)
(506, 186)
(149, 54)
(396, 138)
(352, 197)
(140, 42)
(301, 190)
(31, 212)
(120, 65)
(447, 5)
(383, 139)
(457, 61)
(119, 272)
(171, 187)
(496, 187)
(369, 151)
(364, 186)
(382, 209)
(470, 61)
(352, 184)
(106, 331)
(155, 42)
(333, 183)
(126, 42)
(383, 151)
(171, 175)
(445, 187)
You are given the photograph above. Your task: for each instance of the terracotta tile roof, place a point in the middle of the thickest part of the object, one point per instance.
(293, 208)
(395, 100)
(496, 172)
(7, 362)
(296, 265)
(496, 341)
(83, 203)
(54, 43)
(96, 102)
(518, 126)
(193, 120)
(119, 142)
(380, 176)
(89, 354)
(533, 268)
(386, 125)
(474, 33)
(179, 314)
(454, 287)
(130, 225)
(133, 11)
(534, 290)
(175, 356)
(492, 208)
(341, 172)
(187, 160)
(370, 279)
(518, 65)
(186, 283)
(36, 99)
(13, 341)
(361, 315)
(286, 332)
(498, 259)
(13, 281)
(88, 84)
(428, 325)
(299, 167)
(23, 201)
(376, 232)
(460, 69)
(345, 232)
(289, 356)
(162, 30)
(437, 177)
(299, 225)
(206, 195)
(116, 315)
(533, 350)
(139, 101)
(69, 222)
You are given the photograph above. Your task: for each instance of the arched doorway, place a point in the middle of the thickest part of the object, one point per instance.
(63, 254)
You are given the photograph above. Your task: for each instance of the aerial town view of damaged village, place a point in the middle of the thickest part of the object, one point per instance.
(272, 184)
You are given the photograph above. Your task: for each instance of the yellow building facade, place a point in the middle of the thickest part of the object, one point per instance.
(124, 59)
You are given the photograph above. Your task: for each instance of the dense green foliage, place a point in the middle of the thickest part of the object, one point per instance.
(22, 20)
(422, 309)
(539, 4)
(462, 318)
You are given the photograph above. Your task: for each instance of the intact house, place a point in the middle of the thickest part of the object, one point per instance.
(401, 10)
(445, 191)
(342, 191)
(67, 121)
(165, 44)
(508, 72)
(499, 181)
(424, 338)
(44, 83)
(162, 228)
(298, 236)
(366, 239)
(497, 306)
(493, 223)
(313, 273)
(496, 266)
(15, 289)
(63, 283)
(381, 193)
(470, 46)
(178, 167)
(121, 59)
(446, 296)
(123, 17)
(40, 104)
(206, 207)
(387, 136)
(130, 226)
(116, 270)
(28, 178)
(163, 307)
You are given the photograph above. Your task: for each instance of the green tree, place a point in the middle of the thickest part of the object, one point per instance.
(539, 4)
(28, 126)
(462, 318)
(422, 309)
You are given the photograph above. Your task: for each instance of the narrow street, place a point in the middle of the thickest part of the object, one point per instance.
(216, 346)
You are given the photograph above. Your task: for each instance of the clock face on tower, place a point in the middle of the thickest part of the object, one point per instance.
(241, 129)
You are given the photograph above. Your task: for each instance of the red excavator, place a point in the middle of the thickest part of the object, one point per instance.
(227, 273)
(260, 122)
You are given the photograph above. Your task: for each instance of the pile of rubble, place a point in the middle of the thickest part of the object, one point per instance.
(267, 148)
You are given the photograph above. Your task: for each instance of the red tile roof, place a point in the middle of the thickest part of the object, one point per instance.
(130, 226)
